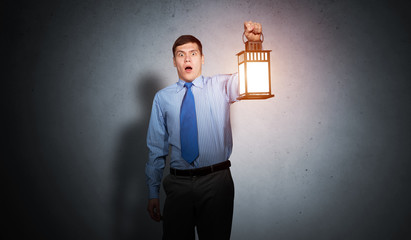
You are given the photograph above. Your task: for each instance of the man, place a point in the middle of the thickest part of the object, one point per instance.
(192, 117)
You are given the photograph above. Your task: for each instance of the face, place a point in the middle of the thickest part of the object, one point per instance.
(188, 61)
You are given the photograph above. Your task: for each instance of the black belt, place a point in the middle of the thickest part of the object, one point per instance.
(201, 171)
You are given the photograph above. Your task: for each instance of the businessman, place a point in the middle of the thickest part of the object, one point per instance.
(190, 122)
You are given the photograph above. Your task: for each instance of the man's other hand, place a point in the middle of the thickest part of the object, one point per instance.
(253, 31)
(153, 209)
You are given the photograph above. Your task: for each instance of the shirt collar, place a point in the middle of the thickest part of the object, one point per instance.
(198, 82)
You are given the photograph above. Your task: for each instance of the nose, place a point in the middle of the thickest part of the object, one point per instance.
(187, 59)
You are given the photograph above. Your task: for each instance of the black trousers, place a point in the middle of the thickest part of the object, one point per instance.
(204, 202)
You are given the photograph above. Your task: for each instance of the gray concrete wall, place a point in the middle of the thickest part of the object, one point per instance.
(327, 158)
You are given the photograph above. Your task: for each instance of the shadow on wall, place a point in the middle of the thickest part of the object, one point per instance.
(129, 203)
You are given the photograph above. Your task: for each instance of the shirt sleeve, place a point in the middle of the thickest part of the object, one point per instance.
(157, 143)
(231, 87)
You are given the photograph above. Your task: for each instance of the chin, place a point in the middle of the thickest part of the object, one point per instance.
(188, 79)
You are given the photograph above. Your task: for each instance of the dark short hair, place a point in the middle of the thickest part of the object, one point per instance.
(183, 39)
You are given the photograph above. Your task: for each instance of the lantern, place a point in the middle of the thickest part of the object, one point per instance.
(254, 73)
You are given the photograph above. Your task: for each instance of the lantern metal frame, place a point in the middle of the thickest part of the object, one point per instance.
(253, 53)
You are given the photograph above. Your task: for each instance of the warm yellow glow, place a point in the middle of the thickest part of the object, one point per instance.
(257, 77)
(242, 79)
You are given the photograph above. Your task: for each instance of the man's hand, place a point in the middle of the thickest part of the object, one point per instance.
(253, 31)
(153, 209)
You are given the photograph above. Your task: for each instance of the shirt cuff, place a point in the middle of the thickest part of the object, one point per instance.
(153, 192)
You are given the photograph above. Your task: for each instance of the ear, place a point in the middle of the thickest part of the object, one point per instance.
(174, 61)
(202, 59)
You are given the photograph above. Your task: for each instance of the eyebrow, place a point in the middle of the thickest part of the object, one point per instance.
(194, 50)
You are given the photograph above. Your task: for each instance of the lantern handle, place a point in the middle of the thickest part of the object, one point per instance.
(261, 37)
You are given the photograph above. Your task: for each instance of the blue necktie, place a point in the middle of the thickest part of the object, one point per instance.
(188, 126)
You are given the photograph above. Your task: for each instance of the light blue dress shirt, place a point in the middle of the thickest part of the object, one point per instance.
(212, 96)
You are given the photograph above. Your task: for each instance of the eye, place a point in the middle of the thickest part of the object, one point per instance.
(193, 53)
(180, 54)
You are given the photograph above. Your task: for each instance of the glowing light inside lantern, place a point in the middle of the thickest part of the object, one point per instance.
(242, 78)
(257, 77)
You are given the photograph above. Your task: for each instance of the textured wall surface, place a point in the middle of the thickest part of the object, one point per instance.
(327, 158)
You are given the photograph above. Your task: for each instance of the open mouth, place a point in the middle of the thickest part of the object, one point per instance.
(188, 69)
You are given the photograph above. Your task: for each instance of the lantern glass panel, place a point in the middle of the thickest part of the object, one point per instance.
(257, 77)
(242, 78)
